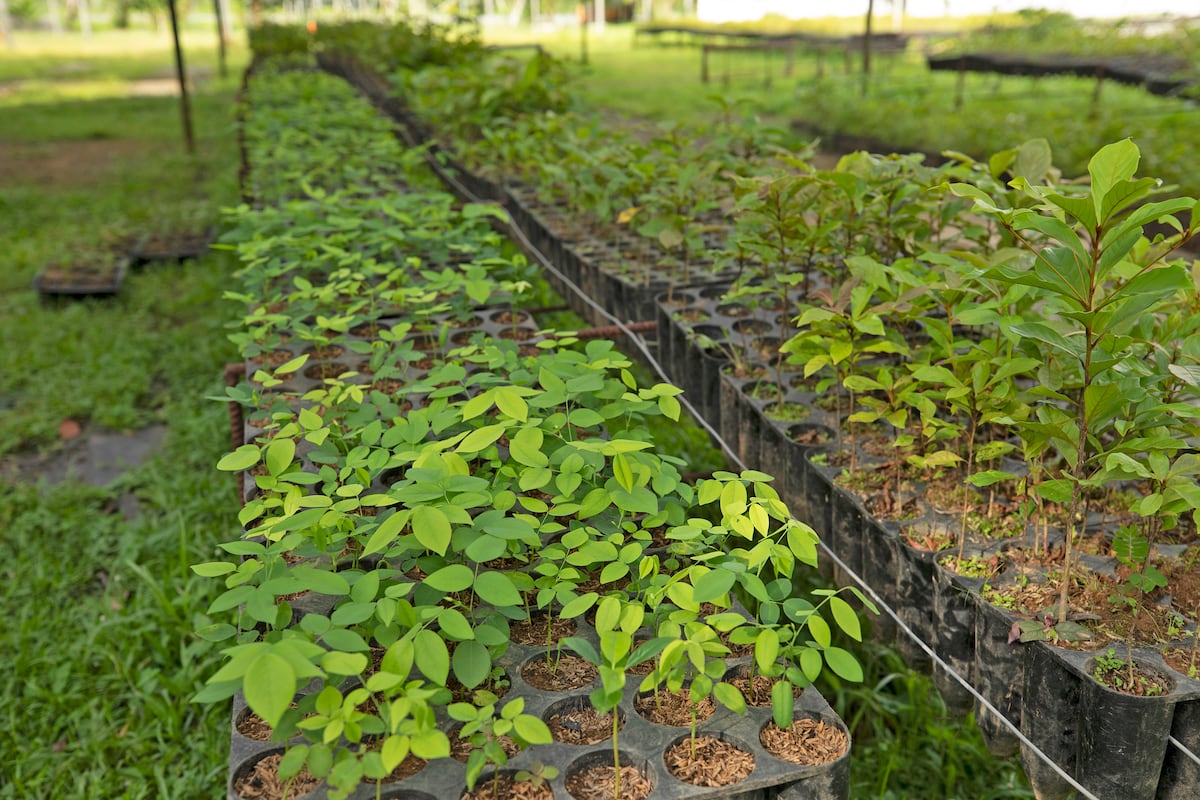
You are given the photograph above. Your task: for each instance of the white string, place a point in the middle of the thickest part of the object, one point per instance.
(1184, 750)
(637, 340)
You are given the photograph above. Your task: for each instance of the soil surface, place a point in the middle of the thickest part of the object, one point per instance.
(806, 742)
(708, 762)
(263, 782)
(597, 784)
(505, 788)
(674, 708)
(97, 458)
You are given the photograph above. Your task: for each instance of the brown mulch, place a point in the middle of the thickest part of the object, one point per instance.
(324, 371)
(757, 690)
(571, 672)
(581, 726)
(461, 749)
(596, 783)
(805, 742)
(713, 763)
(275, 358)
(262, 782)
(410, 766)
(253, 727)
(507, 788)
(1182, 661)
(326, 353)
(533, 632)
(673, 708)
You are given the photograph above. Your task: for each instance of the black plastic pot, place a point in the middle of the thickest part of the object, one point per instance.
(1050, 719)
(1123, 740)
(881, 568)
(999, 673)
(954, 602)
(1180, 776)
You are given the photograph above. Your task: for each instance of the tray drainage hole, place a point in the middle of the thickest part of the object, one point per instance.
(558, 672)
(574, 721)
(591, 777)
(712, 760)
(808, 741)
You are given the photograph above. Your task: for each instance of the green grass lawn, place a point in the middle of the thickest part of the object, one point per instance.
(98, 609)
(906, 106)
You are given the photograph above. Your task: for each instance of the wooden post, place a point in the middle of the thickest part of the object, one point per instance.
(790, 61)
(866, 78)
(704, 63)
(223, 68)
(189, 137)
(1096, 92)
(600, 16)
(581, 10)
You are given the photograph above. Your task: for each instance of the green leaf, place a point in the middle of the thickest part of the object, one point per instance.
(526, 448)
(338, 663)
(431, 527)
(783, 703)
(766, 648)
(1110, 165)
(387, 532)
(712, 585)
(471, 663)
(454, 625)
(321, 580)
(532, 730)
(269, 685)
(479, 439)
(819, 629)
(279, 455)
(213, 569)
(511, 403)
(243, 458)
(623, 472)
(578, 605)
(452, 578)
(843, 664)
(729, 696)
(497, 589)
(845, 617)
(583, 648)
(431, 656)
(291, 366)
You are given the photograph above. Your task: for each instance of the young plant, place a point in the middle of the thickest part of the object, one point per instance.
(483, 729)
(616, 623)
(1096, 273)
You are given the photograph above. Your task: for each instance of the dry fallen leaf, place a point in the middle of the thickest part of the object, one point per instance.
(68, 429)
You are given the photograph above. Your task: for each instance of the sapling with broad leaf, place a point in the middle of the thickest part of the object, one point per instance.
(1097, 276)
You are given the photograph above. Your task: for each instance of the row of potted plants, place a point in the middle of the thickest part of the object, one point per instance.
(429, 478)
(1001, 345)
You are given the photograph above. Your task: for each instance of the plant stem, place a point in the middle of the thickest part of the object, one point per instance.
(616, 759)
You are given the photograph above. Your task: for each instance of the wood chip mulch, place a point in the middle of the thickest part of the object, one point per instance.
(713, 763)
(461, 749)
(673, 708)
(757, 690)
(252, 727)
(805, 742)
(596, 783)
(533, 632)
(410, 766)
(262, 782)
(571, 672)
(581, 726)
(505, 788)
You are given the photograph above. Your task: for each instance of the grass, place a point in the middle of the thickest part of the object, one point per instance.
(907, 106)
(98, 608)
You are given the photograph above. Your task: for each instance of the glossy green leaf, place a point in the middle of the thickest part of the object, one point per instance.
(269, 685)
